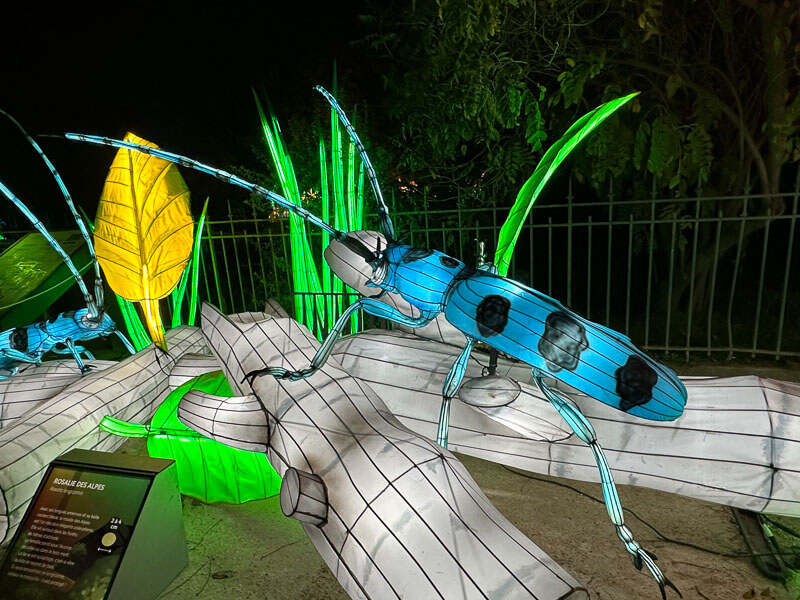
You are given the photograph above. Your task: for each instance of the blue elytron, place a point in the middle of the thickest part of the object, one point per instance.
(498, 311)
(61, 334)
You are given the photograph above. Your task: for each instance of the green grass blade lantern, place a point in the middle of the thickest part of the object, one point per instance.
(207, 469)
(554, 156)
(319, 295)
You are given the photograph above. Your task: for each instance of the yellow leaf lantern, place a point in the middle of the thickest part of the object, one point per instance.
(143, 231)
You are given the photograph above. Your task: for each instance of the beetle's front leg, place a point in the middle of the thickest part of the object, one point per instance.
(450, 389)
(584, 430)
(369, 305)
(77, 355)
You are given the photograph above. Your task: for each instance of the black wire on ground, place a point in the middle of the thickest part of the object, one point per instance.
(657, 532)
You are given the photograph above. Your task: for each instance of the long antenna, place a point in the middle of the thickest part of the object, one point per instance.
(94, 312)
(56, 246)
(214, 172)
(387, 228)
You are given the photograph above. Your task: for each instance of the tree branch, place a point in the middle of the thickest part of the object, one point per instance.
(726, 110)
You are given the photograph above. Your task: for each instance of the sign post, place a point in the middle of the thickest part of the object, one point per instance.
(101, 526)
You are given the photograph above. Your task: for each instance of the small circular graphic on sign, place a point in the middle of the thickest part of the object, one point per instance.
(108, 539)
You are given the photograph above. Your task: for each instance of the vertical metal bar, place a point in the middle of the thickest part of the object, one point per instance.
(569, 242)
(411, 227)
(427, 219)
(261, 255)
(274, 266)
(650, 245)
(761, 282)
(214, 267)
(460, 254)
(205, 274)
(608, 256)
(250, 269)
(788, 265)
(495, 232)
(288, 262)
(713, 283)
(550, 256)
(589, 271)
(669, 284)
(691, 279)
(530, 237)
(227, 273)
(236, 257)
(628, 284)
(735, 276)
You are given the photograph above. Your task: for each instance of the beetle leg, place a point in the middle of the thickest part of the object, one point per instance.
(76, 354)
(450, 389)
(584, 430)
(128, 346)
(369, 305)
(20, 356)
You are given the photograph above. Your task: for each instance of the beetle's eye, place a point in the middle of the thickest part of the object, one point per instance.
(380, 268)
(358, 247)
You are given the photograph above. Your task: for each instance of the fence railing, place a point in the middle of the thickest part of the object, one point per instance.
(678, 275)
(710, 275)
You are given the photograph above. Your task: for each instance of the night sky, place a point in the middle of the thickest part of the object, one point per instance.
(181, 78)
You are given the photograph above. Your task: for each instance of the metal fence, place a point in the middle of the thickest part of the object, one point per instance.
(710, 275)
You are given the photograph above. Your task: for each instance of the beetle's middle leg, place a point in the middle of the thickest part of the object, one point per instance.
(77, 355)
(450, 388)
(584, 430)
(78, 349)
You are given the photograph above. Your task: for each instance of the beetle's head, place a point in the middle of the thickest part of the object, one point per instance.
(102, 325)
(359, 259)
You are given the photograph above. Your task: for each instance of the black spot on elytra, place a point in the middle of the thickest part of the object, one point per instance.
(492, 315)
(18, 340)
(562, 342)
(635, 381)
(450, 263)
(416, 254)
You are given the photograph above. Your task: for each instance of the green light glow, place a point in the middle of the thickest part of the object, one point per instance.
(554, 156)
(123, 428)
(136, 331)
(177, 295)
(198, 248)
(326, 237)
(304, 272)
(207, 469)
(320, 299)
(340, 216)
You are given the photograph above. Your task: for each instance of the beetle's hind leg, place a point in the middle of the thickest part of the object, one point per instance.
(584, 430)
(450, 388)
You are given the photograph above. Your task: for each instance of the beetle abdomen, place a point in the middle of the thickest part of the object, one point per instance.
(540, 331)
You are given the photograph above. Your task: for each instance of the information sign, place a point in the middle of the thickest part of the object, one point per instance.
(77, 531)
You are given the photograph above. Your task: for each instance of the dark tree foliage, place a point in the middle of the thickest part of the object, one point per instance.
(477, 86)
